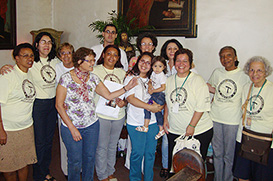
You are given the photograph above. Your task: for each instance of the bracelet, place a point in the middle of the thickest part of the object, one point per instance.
(124, 88)
(192, 126)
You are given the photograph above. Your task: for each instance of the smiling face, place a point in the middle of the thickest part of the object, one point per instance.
(257, 73)
(228, 58)
(158, 67)
(170, 50)
(44, 46)
(146, 45)
(88, 63)
(110, 58)
(66, 57)
(25, 59)
(144, 65)
(182, 65)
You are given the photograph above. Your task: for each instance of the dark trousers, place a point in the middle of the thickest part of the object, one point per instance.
(204, 139)
(159, 98)
(44, 116)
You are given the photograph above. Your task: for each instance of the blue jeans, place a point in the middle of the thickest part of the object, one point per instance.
(143, 144)
(81, 154)
(159, 98)
(44, 122)
(223, 144)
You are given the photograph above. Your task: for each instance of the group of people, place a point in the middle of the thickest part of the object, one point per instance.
(79, 84)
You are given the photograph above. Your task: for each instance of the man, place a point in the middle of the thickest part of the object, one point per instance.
(226, 83)
(110, 34)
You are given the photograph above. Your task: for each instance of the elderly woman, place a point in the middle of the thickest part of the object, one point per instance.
(146, 42)
(259, 118)
(187, 98)
(226, 83)
(17, 95)
(80, 125)
(64, 53)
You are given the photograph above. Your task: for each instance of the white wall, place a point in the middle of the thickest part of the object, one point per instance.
(244, 24)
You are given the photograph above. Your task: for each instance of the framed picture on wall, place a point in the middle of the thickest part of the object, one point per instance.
(7, 24)
(167, 17)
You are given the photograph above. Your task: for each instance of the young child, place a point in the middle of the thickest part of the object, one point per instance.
(156, 89)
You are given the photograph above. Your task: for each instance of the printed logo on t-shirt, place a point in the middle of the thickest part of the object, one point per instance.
(257, 105)
(28, 89)
(227, 88)
(48, 74)
(112, 78)
(180, 98)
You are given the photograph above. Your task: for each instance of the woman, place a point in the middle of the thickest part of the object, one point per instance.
(146, 42)
(65, 52)
(143, 143)
(80, 126)
(44, 113)
(226, 84)
(109, 68)
(167, 51)
(188, 101)
(261, 115)
(17, 95)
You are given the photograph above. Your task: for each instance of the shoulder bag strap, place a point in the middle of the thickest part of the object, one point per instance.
(244, 106)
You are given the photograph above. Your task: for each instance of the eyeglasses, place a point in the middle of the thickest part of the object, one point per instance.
(148, 44)
(252, 71)
(110, 32)
(143, 62)
(27, 56)
(43, 42)
(66, 53)
(89, 61)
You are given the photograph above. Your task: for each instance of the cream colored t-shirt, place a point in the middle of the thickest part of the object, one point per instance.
(44, 77)
(262, 111)
(117, 75)
(193, 96)
(17, 94)
(226, 105)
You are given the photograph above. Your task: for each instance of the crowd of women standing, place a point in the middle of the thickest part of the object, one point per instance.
(91, 138)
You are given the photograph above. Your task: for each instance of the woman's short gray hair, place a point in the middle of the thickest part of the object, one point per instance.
(267, 66)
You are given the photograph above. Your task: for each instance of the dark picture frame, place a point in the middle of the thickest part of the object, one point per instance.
(167, 18)
(7, 24)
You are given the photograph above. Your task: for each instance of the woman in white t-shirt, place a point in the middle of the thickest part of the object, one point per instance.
(17, 94)
(258, 118)
(143, 143)
(44, 112)
(187, 98)
(109, 68)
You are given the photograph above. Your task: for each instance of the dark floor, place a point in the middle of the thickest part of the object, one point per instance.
(121, 173)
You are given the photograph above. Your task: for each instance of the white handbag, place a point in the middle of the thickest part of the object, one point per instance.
(186, 142)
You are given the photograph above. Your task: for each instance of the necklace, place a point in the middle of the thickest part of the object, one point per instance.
(111, 76)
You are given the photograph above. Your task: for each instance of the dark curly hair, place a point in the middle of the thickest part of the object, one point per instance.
(146, 35)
